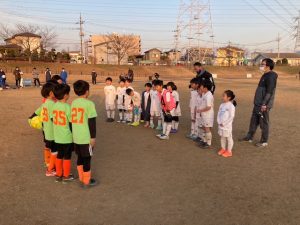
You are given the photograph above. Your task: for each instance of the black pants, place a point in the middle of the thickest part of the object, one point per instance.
(83, 156)
(18, 82)
(94, 80)
(261, 119)
(64, 151)
(36, 81)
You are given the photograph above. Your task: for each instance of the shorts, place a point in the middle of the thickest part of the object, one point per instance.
(207, 121)
(168, 117)
(155, 113)
(136, 111)
(50, 145)
(64, 147)
(110, 107)
(121, 107)
(199, 122)
(83, 150)
(225, 133)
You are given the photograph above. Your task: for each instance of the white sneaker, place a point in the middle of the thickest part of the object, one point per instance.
(158, 135)
(164, 137)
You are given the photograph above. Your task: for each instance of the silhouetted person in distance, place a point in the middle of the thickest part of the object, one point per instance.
(47, 75)
(263, 103)
(17, 73)
(64, 75)
(94, 77)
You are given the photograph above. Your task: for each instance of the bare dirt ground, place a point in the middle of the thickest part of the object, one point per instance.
(145, 181)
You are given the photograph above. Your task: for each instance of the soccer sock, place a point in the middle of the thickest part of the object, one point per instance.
(137, 118)
(193, 128)
(176, 125)
(151, 120)
(130, 116)
(112, 114)
(168, 129)
(173, 124)
(164, 128)
(208, 136)
(67, 167)
(59, 167)
(52, 162)
(80, 172)
(121, 116)
(223, 142)
(159, 122)
(108, 113)
(47, 155)
(86, 177)
(200, 132)
(230, 143)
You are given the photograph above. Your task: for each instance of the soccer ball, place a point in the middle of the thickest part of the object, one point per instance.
(36, 122)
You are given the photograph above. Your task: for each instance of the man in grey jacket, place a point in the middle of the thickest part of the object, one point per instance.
(263, 102)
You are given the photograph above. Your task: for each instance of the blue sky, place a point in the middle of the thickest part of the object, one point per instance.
(251, 24)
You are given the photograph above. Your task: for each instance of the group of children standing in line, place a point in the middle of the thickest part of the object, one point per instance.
(73, 127)
(66, 128)
(161, 102)
(158, 102)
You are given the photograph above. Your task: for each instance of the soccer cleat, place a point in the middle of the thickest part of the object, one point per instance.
(261, 144)
(164, 137)
(58, 179)
(204, 145)
(68, 179)
(108, 120)
(189, 136)
(173, 131)
(158, 135)
(119, 121)
(159, 128)
(152, 125)
(50, 173)
(135, 124)
(146, 125)
(221, 152)
(92, 183)
(194, 137)
(123, 121)
(198, 140)
(227, 154)
(142, 121)
(245, 139)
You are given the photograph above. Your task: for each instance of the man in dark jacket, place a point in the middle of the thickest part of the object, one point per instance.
(202, 75)
(17, 73)
(94, 77)
(48, 75)
(263, 102)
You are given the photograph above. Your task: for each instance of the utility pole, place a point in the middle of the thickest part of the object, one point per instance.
(81, 35)
(278, 46)
(297, 44)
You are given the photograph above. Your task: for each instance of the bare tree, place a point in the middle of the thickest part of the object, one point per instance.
(29, 44)
(121, 45)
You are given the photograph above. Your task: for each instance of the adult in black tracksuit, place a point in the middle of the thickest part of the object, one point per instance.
(263, 102)
(202, 75)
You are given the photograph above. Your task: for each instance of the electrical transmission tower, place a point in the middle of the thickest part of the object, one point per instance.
(81, 35)
(194, 24)
(297, 45)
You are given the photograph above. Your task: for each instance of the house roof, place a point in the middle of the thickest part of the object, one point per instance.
(152, 49)
(232, 47)
(281, 55)
(172, 50)
(10, 46)
(24, 34)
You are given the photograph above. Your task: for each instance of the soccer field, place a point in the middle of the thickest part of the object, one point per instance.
(146, 181)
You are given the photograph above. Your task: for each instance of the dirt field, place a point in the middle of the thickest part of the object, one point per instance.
(145, 181)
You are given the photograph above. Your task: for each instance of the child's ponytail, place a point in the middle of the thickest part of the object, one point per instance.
(231, 95)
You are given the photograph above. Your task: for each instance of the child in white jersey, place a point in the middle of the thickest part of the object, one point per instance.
(121, 100)
(136, 105)
(225, 119)
(199, 122)
(110, 98)
(194, 84)
(146, 104)
(128, 102)
(155, 109)
(206, 111)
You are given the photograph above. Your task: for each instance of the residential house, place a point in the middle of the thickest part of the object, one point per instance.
(230, 56)
(26, 41)
(99, 51)
(203, 55)
(153, 55)
(293, 59)
(173, 56)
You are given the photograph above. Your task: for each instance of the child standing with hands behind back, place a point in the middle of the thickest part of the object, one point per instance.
(225, 119)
